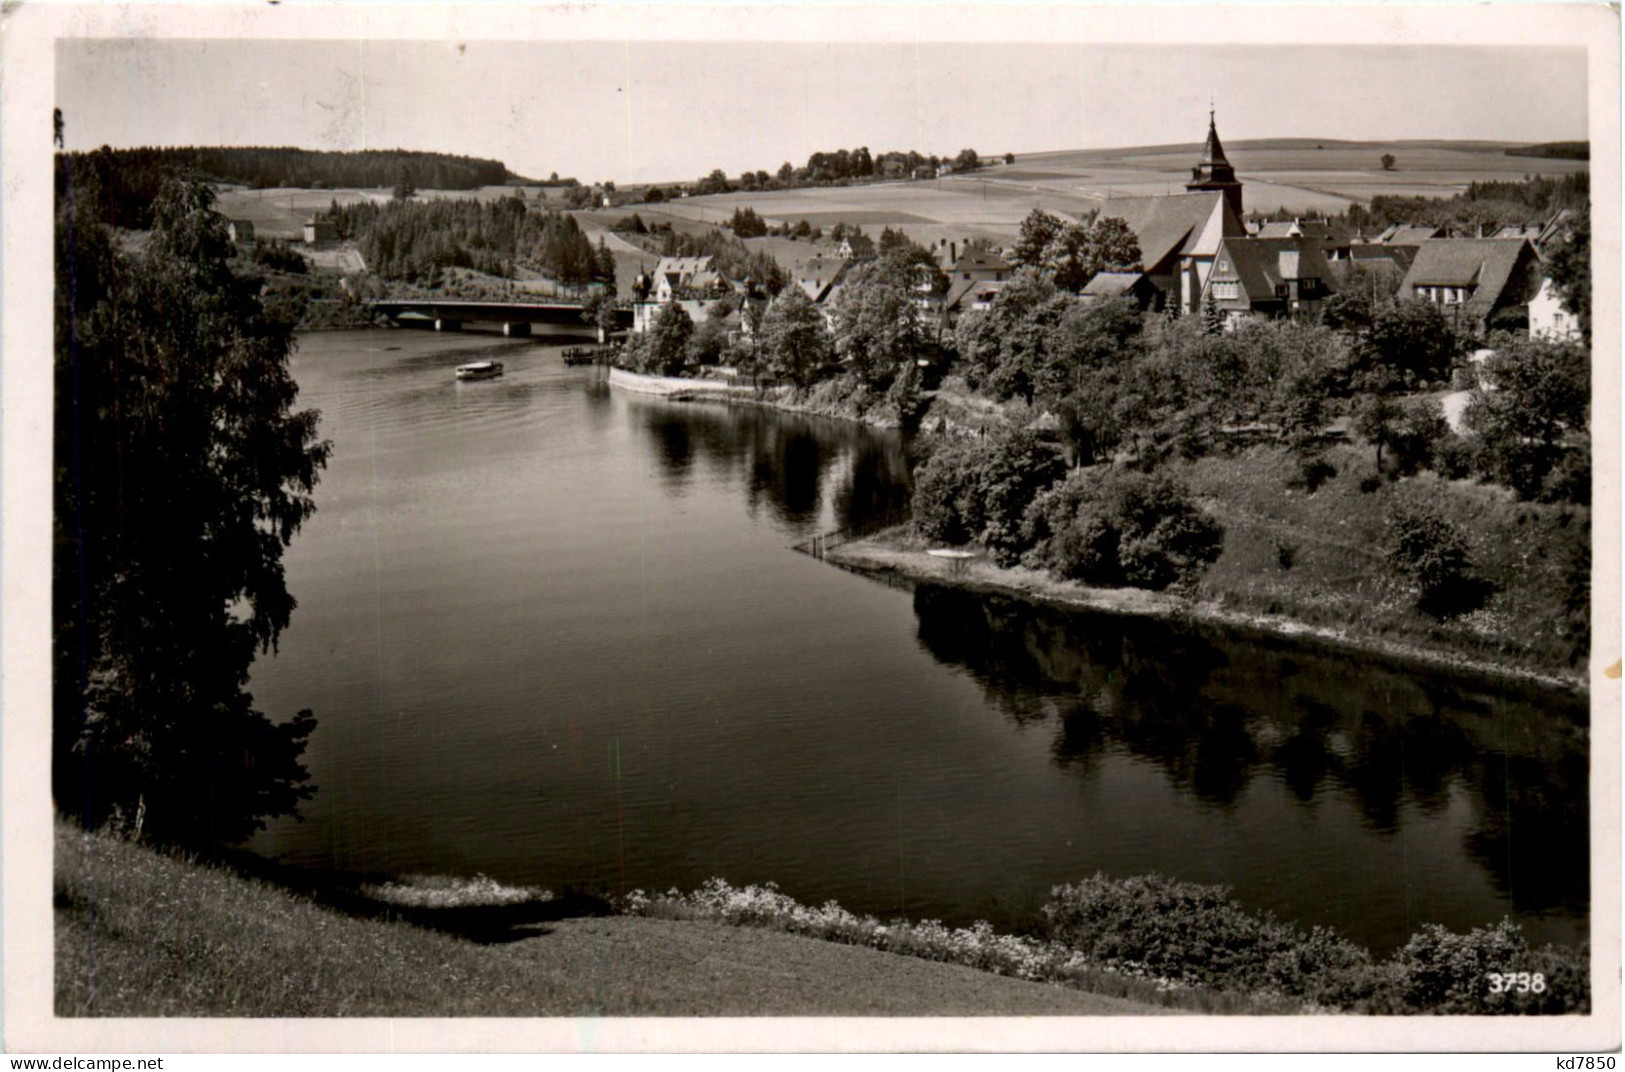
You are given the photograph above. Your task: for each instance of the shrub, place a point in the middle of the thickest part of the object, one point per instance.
(1192, 933)
(1442, 972)
(1286, 553)
(945, 508)
(1418, 434)
(1432, 553)
(1113, 527)
(982, 489)
(1313, 471)
(903, 396)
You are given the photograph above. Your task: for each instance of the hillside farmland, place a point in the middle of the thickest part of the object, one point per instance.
(1298, 175)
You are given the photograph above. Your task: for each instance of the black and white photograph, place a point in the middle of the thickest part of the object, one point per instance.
(959, 528)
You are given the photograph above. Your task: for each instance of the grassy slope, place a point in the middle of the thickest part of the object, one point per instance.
(143, 934)
(1339, 578)
(1339, 585)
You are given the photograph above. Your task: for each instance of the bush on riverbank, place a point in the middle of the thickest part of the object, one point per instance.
(1196, 934)
(1159, 937)
(980, 489)
(1114, 527)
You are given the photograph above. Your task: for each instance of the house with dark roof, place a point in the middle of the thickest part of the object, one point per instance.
(320, 231)
(1268, 276)
(1475, 280)
(819, 276)
(857, 247)
(1406, 236)
(977, 265)
(674, 275)
(1108, 285)
(241, 231)
(1374, 253)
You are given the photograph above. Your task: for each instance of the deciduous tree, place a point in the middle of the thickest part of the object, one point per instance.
(182, 472)
(795, 343)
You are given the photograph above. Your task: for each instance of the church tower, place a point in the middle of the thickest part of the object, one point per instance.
(1215, 172)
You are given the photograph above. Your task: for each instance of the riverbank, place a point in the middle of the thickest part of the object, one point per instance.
(142, 933)
(899, 552)
(139, 933)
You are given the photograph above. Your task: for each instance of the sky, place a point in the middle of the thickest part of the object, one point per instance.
(635, 111)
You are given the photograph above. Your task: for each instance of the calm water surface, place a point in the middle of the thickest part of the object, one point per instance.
(556, 634)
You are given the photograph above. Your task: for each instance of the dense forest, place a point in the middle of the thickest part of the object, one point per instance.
(130, 178)
(1482, 204)
(1555, 150)
(417, 240)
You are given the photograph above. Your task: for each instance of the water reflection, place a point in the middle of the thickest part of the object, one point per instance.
(1216, 712)
(785, 462)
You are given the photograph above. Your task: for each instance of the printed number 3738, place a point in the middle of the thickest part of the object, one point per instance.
(1517, 982)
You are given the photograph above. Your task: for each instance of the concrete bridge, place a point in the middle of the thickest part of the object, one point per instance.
(514, 318)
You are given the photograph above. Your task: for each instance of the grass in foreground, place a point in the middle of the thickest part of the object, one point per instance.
(141, 933)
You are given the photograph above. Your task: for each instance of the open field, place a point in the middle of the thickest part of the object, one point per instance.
(926, 211)
(1299, 175)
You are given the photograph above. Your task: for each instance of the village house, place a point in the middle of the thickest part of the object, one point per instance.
(320, 231)
(691, 282)
(1335, 243)
(975, 266)
(1407, 237)
(672, 275)
(1268, 277)
(819, 276)
(1109, 285)
(857, 247)
(1475, 280)
(983, 295)
(1548, 319)
(241, 232)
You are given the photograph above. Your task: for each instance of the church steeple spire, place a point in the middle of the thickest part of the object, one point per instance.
(1214, 171)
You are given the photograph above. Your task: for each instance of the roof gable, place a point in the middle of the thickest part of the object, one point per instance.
(1488, 265)
(1175, 224)
(1262, 264)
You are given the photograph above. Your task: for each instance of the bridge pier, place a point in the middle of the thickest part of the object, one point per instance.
(516, 329)
(448, 325)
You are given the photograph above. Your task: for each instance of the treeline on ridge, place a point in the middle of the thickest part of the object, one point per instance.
(1554, 150)
(1483, 204)
(131, 178)
(418, 240)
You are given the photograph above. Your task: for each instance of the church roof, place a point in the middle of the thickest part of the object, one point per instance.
(1213, 151)
(1164, 225)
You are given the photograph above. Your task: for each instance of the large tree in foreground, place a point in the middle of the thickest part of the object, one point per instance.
(182, 472)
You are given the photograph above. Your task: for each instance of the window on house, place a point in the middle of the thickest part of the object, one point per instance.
(1224, 265)
(1226, 289)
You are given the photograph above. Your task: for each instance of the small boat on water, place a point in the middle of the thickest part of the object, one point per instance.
(582, 355)
(479, 370)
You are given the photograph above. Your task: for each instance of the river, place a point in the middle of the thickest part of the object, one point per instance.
(557, 634)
